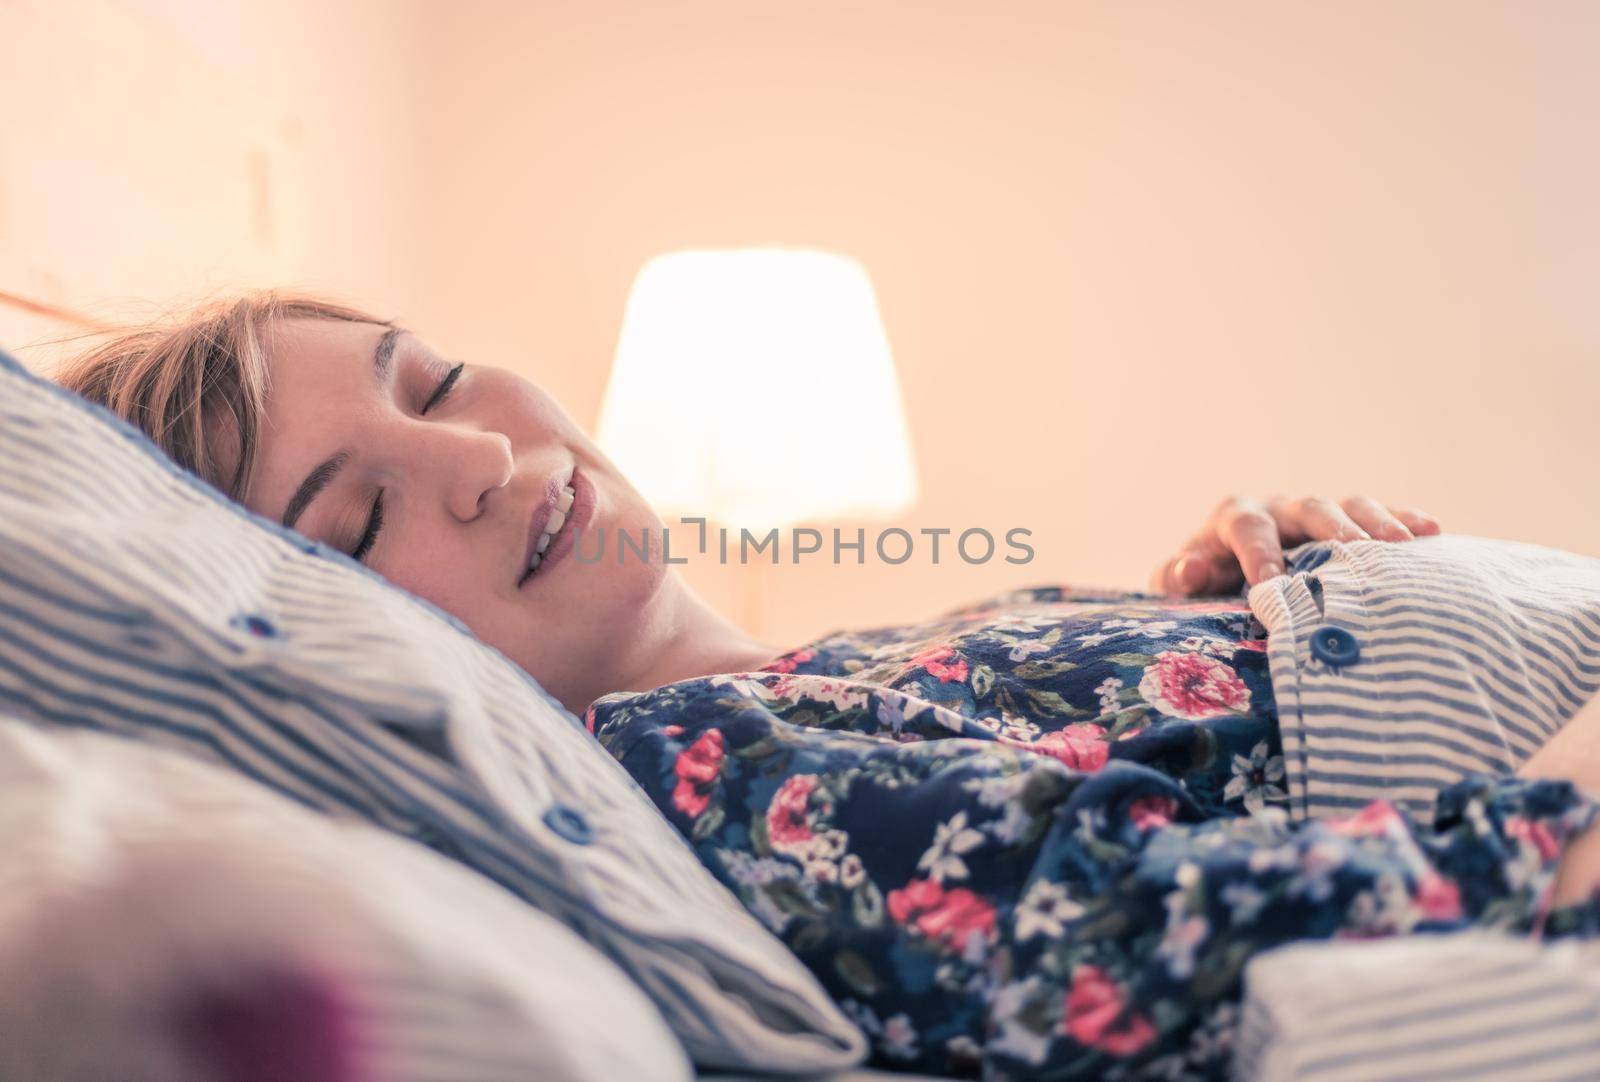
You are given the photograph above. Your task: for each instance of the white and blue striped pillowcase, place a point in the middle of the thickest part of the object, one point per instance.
(1473, 653)
(128, 594)
(1472, 1006)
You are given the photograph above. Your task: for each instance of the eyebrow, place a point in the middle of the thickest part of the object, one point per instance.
(384, 353)
(322, 476)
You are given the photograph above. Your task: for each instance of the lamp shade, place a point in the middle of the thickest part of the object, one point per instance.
(755, 387)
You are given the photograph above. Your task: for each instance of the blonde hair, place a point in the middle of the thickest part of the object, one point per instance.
(197, 385)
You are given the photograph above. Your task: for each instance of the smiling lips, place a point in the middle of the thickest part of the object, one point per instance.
(551, 520)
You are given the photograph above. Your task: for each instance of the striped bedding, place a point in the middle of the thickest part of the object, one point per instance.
(1468, 654)
(1458, 655)
(136, 600)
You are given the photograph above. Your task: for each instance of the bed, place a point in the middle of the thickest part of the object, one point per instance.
(236, 758)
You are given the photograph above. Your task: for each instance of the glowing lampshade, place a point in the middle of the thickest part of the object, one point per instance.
(755, 387)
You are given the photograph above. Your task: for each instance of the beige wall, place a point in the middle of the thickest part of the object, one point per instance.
(158, 151)
(1130, 257)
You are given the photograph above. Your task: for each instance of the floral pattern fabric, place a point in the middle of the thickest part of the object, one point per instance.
(1040, 837)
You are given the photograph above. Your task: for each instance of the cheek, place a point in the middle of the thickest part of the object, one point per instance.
(523, 409)
(447, 581)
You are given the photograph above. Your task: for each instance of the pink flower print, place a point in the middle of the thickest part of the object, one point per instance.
(787, 821)
(1094, 1015)
(1192, 686)
(697, 768)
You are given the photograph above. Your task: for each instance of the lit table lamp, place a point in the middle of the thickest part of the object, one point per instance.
(755, 388)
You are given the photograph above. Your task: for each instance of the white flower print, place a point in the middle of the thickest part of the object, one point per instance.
(895, 710)
(836, 693)
(743, 685)
(1178, 945)
(951, 838)
(899, 1037)
(1018, 728)
(1152, 629)
(1386, 909)
(1202, 645)
(1315, 878)
(1107, 689)
(831, 844)
(996, 791)
(1281, 858)
(754, 874)
(851, 872)
(1025, 649)
(1244, 902)
(1009, 1009)
(1021, 622)
(1011, 825)
(1045, 910)
(1254, 779)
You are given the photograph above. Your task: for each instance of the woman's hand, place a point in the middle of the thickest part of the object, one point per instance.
(1243, 540)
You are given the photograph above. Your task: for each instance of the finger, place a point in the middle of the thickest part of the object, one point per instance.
(1252, 536)
(1226, 575)
(1162, 581)
(1187, 573)
(1420, 523)
(1290, 532)
(1376, 519)
(1325, 520)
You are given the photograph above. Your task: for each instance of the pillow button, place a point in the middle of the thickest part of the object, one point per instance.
(569, 823)
(255, 624)
(1335, 646)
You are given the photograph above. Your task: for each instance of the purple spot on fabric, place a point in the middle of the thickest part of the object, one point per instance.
(285, 1026)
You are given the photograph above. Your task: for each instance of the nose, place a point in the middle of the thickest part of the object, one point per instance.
(473, 463)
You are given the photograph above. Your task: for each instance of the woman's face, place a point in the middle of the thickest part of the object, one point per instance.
(465, 473)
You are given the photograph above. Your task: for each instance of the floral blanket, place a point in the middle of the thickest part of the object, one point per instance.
(1040, 837)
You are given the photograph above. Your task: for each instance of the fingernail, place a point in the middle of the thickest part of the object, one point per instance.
(1269, 571)
(1191, 573)
(1355, 533)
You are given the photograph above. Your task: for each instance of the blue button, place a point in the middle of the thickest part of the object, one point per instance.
(1335, 646)
(257, 625)
(570, 823)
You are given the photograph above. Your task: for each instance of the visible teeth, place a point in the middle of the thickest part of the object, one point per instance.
(552, 526)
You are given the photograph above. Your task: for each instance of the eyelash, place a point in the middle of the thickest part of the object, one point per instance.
(375, 519)
(446, 385)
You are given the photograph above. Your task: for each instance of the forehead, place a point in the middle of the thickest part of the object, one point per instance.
(321, 386)
(303, 349)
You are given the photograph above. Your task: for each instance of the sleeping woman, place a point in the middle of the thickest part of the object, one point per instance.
(1035, 837)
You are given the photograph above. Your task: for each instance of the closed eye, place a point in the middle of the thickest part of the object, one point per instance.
(442, 391)
(369, 537)
(374, 528)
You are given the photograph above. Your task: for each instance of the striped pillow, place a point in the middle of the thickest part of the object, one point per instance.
(137, 600)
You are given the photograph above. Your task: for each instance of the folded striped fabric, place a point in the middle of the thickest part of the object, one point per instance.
(136, 600)
(1456, 1007)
